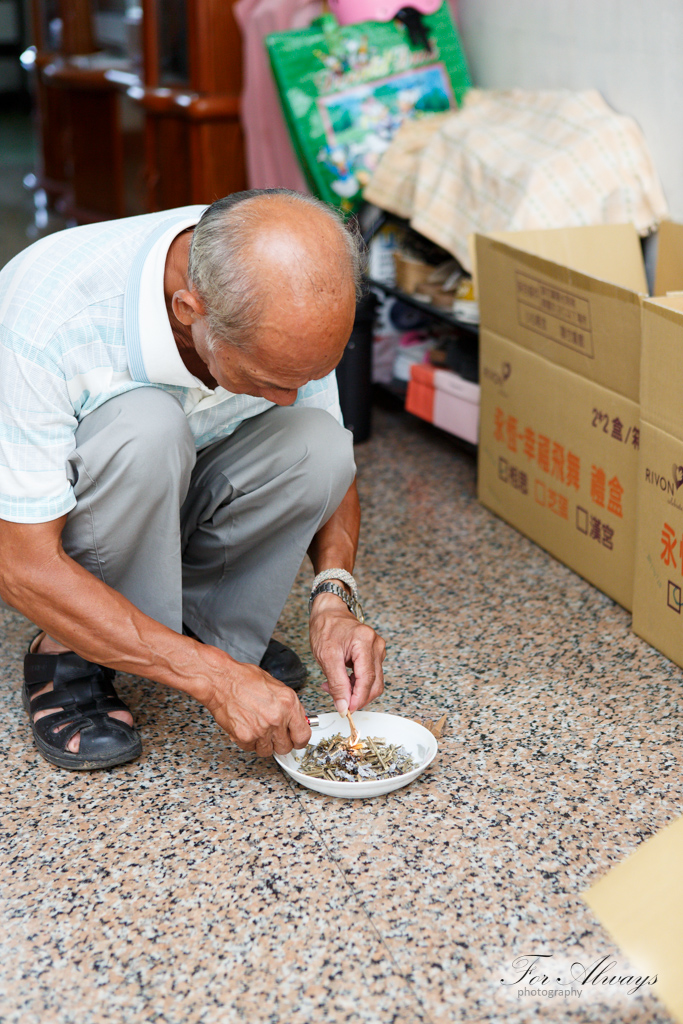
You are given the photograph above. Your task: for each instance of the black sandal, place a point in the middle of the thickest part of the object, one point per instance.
(85, 692)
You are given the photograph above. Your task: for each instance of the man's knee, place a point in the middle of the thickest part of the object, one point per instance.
(159, 434)
(327, 458)
(149, 436)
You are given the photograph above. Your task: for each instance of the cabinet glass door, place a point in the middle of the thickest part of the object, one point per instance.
(173, 50)
(109, 31)
(50, 26)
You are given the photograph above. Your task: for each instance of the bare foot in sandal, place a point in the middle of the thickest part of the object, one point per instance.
(44, 644)
(77, 718)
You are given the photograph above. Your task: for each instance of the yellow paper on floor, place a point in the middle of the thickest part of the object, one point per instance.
(640, 903)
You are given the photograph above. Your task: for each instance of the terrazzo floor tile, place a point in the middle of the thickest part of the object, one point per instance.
(202, 885)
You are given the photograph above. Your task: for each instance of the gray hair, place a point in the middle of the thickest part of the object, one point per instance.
(219, 270)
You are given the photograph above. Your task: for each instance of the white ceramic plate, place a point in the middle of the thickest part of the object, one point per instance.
(417, 740)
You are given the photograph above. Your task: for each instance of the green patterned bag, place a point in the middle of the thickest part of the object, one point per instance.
(345, 92)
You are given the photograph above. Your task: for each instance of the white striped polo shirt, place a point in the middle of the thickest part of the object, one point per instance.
(82, 319)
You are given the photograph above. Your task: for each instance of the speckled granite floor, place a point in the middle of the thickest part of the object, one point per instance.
(200, 885)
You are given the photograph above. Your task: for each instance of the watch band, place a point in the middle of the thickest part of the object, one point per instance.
(328, 587)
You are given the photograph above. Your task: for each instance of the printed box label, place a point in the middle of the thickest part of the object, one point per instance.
(555, 314)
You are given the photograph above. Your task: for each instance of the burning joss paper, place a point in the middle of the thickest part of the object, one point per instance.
(369, 760)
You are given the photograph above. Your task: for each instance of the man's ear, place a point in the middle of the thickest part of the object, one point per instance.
(187, 306)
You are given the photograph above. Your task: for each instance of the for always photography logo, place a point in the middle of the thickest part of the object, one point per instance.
(539, 975)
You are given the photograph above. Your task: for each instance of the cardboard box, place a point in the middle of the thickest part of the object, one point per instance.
(658, 591)
(640, 903)
(560, 377)
(443, 398)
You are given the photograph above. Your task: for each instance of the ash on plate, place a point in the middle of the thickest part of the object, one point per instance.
(371, 760)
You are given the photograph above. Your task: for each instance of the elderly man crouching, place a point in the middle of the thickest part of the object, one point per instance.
(170, 447)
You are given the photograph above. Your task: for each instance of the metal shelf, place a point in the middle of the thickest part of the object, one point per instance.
(426, 307)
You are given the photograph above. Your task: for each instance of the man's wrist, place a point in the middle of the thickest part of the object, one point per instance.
(327, 602)
(336, 590)
(205, 673)
(338, 575)
(342, 584)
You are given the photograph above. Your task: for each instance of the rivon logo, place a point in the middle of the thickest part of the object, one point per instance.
(498, 377)
(668, 483)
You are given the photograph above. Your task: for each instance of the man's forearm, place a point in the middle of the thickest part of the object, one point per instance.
(336, 543)
(80, 611)
(92, 619)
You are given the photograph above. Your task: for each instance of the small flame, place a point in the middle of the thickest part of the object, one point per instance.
(355, 742)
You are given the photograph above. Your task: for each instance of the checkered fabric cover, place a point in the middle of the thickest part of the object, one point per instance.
(519, 160)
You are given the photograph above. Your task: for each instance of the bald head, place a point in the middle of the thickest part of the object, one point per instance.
(271, 255)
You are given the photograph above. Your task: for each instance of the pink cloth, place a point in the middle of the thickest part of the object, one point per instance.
(271, 162)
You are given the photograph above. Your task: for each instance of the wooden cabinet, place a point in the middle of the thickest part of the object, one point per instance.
(190, 95)
(124, 130)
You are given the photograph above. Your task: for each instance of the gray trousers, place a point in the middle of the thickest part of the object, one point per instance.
(214, 538)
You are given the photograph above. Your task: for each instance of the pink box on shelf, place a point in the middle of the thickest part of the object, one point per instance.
(443, 398)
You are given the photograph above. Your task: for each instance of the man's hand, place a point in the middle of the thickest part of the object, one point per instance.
(259, 712)
(339, 642)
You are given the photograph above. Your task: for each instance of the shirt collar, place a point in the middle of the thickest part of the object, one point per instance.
(153, 356)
